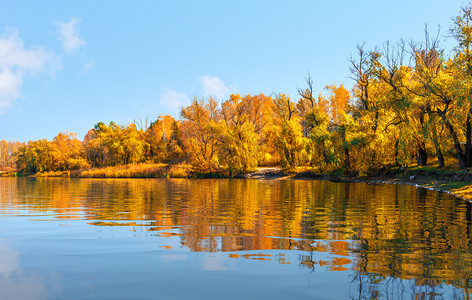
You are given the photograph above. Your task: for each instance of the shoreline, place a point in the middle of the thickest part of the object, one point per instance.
(461, 189)
(455, 182)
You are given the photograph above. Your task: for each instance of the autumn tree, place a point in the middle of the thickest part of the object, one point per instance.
(176, 145)
(199, 121)
(158, 139)
(95, 150)
(461, 31)
(237, 132)
(288, 134)
(407, 111)
(114, 145)
(7, 151)
(35, 156)
(68, 152)
(447, 96)
(325, 122)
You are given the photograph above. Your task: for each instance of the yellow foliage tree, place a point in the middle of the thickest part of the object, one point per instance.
(199, 121)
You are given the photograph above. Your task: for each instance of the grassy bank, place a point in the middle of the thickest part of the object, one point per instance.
(143, 170)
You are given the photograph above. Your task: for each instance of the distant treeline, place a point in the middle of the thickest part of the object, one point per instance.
(7, 151)
(411, 102)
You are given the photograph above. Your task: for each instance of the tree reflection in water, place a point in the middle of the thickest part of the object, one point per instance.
(391, 238)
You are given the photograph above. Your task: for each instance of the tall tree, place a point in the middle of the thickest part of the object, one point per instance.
(288, 135)
(199, 120)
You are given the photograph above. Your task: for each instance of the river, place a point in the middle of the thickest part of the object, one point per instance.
(66, 238)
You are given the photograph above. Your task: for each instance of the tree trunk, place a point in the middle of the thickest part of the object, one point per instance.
(439, 155)
(376, 120)
(422, 155)
(468, 148)
(396, 152)
(346, 158)
(437, 146)
(457, 145)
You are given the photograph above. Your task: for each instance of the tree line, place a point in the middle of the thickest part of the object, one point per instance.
(411, 102)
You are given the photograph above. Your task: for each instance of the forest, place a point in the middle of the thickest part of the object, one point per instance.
(411, 104)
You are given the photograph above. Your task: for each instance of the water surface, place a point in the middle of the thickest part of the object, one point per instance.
(230, 239)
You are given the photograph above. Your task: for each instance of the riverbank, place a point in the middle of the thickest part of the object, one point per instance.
(450, 179)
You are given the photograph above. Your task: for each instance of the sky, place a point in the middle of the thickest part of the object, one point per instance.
(67, 65)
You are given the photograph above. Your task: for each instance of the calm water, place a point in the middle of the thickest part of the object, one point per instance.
(230, 239)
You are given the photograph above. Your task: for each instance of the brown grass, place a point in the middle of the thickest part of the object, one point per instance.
(142, 170)
(53, 174)
(7, 172)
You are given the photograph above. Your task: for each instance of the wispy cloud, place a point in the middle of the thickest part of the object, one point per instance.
(10, 84)
(88, 66)
(16, 61)
(214, 87)
(69, 34)
(173, 100)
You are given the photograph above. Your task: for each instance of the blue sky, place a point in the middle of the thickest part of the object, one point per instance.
(66, 65)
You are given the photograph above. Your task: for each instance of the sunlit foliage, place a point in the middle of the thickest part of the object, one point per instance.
(7, 151)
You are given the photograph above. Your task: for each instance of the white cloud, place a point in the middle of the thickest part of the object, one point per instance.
(69, 35)
(13, 55)
(16, 61)
(173, 100)
(10, 84)
(214, 87)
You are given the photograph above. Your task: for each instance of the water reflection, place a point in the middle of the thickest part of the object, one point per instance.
(16, 283)
(390, 238)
